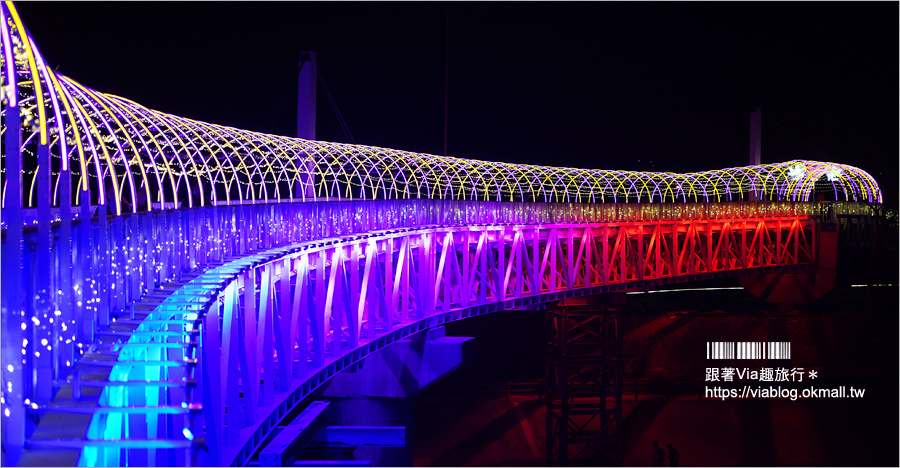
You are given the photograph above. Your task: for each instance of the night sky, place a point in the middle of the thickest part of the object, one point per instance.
(640, 86)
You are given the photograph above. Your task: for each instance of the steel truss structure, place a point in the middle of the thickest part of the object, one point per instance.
(584, 381)
(347, 295)
(290, 317)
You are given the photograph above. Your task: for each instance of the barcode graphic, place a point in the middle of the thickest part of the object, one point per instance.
(748, 350)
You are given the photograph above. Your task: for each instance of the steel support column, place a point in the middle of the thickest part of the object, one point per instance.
(584, 381)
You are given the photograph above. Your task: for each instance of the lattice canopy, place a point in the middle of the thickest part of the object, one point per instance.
(120, 152)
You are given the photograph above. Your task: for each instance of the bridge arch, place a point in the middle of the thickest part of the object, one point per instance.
(271, 166)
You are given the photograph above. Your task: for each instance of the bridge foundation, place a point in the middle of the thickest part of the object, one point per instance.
(800, 287)
(376, 395)
(585, 372)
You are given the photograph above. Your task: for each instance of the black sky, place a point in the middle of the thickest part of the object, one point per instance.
(596, 85)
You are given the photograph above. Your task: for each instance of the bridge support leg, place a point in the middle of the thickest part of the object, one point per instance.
(584, 381)
(377, 395)
(368, 413)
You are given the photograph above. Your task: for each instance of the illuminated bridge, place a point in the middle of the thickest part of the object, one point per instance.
(173, 289)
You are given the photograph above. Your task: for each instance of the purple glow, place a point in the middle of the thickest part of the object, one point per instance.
(10, 62)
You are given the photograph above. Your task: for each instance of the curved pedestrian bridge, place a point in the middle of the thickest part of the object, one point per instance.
(172, 289)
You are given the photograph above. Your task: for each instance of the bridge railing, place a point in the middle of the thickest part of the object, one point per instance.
(300, 315)
(70, 279)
